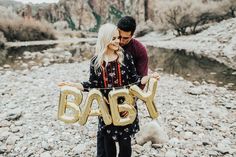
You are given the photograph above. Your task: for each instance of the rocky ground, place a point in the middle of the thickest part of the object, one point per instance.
(199, 119)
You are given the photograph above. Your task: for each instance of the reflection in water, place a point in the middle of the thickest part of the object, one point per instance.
(191, 67)
(18, 51)
(13, 53)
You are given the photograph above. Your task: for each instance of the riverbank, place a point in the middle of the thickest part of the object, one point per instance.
(218, 42)
(198, 118)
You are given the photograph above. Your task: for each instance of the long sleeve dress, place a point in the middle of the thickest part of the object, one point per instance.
(114, 75)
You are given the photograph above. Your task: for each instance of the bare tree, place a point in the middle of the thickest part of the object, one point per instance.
(146, 10)
(80, 14)
(188, 16)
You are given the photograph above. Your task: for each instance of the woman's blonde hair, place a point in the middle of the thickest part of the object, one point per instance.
(105, 35)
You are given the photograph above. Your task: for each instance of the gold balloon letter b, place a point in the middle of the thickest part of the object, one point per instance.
(74, 106)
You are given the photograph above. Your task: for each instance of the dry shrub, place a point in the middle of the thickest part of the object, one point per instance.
(187, 16)
(26, 30)
(73, 34)
(2, 48)
(2, 39)
(15, 28)
(61, 25)
(144, 28)
(229, 7)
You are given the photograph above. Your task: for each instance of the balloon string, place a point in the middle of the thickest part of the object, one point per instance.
(121, 87)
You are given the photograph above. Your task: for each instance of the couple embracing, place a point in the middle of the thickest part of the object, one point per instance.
(119, 60)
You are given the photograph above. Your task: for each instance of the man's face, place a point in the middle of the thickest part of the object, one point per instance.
(125, 37)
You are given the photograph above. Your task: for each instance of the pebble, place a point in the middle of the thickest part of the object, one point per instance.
(45, 154)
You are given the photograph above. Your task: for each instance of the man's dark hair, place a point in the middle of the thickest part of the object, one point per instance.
(127, 23)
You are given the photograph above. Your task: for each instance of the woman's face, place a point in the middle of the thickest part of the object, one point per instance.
(114, 44)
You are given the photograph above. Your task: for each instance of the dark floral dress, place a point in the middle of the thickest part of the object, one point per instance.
(128, 75)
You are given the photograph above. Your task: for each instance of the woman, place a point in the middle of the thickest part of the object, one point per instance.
(111, 67)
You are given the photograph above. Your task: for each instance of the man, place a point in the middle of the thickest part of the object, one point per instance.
(127, 26)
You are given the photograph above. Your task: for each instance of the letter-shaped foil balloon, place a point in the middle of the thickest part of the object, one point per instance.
(95, 94)
(64, 104)
(126, 106)
(147, 97)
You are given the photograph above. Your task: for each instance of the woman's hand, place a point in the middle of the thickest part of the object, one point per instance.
(61, 84)
(76, 85)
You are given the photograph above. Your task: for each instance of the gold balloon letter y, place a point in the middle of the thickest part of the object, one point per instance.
(147, 97)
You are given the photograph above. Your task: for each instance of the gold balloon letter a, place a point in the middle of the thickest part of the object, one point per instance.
(74, 106)
(147, 97)
(95, 94)
(117, 108)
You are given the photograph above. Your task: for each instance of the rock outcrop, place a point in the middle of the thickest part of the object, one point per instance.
(88, 15)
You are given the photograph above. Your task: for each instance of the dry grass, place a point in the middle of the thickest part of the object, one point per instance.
(15, 28)
(25, 30)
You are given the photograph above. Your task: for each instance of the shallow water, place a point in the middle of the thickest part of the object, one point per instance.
(187, 65)
(191, 67)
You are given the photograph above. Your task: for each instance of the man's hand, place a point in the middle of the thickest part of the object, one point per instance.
(155, 75)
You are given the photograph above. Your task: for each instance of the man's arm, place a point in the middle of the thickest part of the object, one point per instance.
(141, 59)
